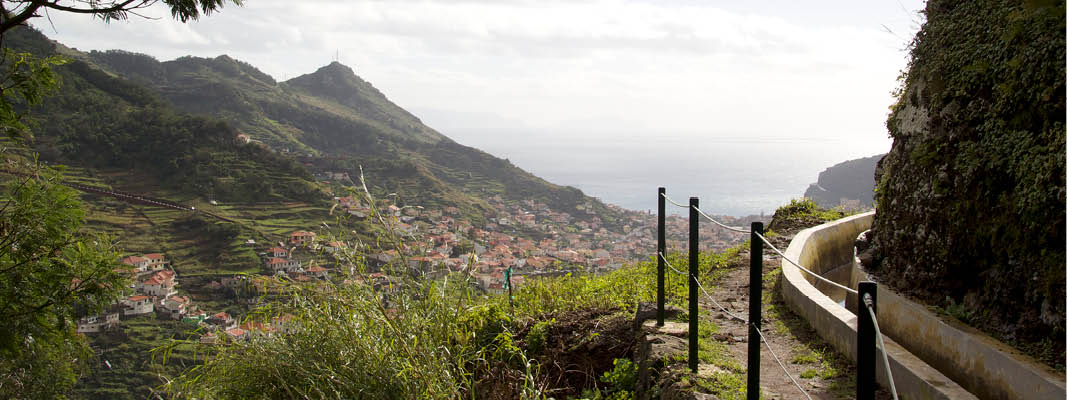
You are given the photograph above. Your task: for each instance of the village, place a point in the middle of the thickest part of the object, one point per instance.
(527, 238)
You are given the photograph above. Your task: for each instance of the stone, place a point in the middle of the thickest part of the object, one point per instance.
(647, 311)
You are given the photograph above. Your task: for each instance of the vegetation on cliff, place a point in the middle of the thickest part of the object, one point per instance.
(849, 184)
(971, 197)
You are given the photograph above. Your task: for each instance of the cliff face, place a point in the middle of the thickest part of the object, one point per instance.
(849, 184)
(971, 196)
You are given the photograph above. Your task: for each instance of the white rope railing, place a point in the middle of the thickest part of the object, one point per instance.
(881, 343)
(669, 200)
(727, 227)
(786, 371)
(753, 325)
(724, 310)
(668, 264)
(820, 277)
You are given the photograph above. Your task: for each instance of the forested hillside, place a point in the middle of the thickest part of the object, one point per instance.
(103, 122)
(332, 119)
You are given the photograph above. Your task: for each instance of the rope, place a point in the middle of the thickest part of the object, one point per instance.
(780, 362)
(673, 202)
(732, 228)
(881, 343)
(668, 264)
(846, 288)
(667, 289)
(702, 289)
(724, 310)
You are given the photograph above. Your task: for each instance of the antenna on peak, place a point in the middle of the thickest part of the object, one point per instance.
(337, 56)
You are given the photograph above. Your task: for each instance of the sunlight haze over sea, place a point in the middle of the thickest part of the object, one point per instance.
(740, 103)
(731, 176)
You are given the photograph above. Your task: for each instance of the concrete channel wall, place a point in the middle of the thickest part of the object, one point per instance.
(983, 365)
(828, 246)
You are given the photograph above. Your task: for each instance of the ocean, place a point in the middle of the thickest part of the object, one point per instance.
(731, 176)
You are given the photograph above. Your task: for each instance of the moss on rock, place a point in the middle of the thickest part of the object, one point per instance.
(971, 197)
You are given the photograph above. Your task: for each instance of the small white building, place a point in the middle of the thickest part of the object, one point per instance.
(175, 306)
(139, 264)
(97, 323)
(277, 252)
(160, 284)
(283, 264)
(138, 305)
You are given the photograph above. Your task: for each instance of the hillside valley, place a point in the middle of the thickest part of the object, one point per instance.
(268, 181)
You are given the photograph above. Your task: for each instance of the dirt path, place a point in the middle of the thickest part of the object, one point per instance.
(821, 371)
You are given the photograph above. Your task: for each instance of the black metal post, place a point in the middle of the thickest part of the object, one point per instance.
(661, 250)
(755, 307)
(511, 298)
(694, 255)
(866, 356)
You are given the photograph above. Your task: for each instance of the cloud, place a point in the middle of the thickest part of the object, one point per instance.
(817, 69)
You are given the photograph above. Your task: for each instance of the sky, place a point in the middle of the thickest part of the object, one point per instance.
(502, 74)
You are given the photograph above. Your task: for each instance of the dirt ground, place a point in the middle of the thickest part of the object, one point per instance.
(821, 372)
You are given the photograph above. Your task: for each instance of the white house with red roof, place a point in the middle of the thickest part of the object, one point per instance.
(156, 261)
(317, 271)
(278, 252)
(221, 321)
(301, 237)
(138, 305)
(283, 264)
(335, 246)
(161, 284)
(175, 306)
(237, 333)
(139, 264)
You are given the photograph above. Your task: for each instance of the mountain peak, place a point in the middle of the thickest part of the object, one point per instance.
(336, 68)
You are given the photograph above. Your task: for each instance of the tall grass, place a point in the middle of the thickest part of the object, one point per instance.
(344, 343)
(623, 288)
(413, 337)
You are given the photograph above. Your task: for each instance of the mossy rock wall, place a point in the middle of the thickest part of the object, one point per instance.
(971, 197)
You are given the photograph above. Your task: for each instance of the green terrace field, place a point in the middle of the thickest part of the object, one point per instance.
(196, 243)
(126, 366)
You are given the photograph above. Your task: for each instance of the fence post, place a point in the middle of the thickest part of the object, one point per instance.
(511, 298)
(661, 249)
(694, 311)
(865, 342)
(755, 307)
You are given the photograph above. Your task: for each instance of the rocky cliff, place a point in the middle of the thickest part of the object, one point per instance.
(849, 184)
(971, 196)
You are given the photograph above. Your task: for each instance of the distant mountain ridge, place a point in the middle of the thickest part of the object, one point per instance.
(327, 120)
(849, 184)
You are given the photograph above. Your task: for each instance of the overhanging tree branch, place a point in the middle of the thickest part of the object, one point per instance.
(182, 10)
(114, 8)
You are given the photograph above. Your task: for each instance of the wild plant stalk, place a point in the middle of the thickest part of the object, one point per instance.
(419, 339)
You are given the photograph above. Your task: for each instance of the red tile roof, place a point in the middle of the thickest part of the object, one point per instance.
(131, 260)
(160, 277)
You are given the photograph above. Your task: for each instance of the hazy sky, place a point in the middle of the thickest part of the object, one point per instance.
(720, 70)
